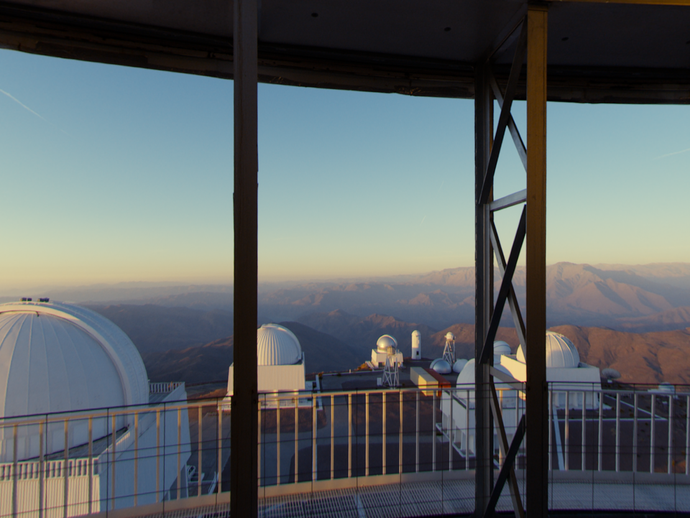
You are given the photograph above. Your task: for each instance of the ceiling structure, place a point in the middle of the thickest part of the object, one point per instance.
(598, 52)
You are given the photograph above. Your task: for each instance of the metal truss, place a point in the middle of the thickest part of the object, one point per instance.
(529, 39)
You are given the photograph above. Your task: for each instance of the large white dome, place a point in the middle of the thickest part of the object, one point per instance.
(277, 345)
(384, 342)
(560, 352)
(62, 358)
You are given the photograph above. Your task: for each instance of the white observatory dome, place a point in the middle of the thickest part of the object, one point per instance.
(560, 352)
(459, 365)
(384, 342)
(59, 358)
(62, 358)
(277, 345)
(441, 366)
(466, 376)
(450, 336)
(501, 348)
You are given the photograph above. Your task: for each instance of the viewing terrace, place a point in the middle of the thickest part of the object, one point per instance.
(373, 452)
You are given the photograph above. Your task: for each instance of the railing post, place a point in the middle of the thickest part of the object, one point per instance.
(583, 442)
(618, 431)
(136, 458)
(296, 438)
(65, 471)
(400, 433)
(652, 428)
(278, 442)
(634, 444)
(383, 432)
(366, 435)
(433, 431)
(600, 446)
(332, 436)
(416, 441)
(349, 436)
(670, 434)
(41, 472)
(567, 430)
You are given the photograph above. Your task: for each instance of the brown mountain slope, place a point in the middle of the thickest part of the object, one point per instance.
(639, 357)
(210, 362)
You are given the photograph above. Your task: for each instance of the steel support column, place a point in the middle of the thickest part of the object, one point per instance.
(537, 436)
(483, 128)
(244, 427)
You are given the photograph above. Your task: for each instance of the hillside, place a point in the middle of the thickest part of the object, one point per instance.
(210, 362)
(639, 357)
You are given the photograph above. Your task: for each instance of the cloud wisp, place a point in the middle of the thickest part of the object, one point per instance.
(23, 105)
(674, 153)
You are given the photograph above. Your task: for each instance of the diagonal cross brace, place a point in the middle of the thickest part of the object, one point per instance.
(507, 467)
(512, 298)
(512, 127)
(503, 442)
(506, 285)
(505, 116)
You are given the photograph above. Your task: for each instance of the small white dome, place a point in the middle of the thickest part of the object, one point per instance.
(384, 342)
(501, 348)
(560, 352)
(459, 365)
(277, 345)
(466, 376)
(441, 366)
(450, 336)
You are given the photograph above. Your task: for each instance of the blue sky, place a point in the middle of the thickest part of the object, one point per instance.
(115, 174)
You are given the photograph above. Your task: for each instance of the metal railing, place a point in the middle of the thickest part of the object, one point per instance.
(174, 455)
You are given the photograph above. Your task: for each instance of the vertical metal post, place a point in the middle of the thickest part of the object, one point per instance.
(65, 472)
(600, 431)
(313, 438)
(450, 430)
(483, 129)
(400, 433)
(618, 431)
(551, 431)
(433, 432)
(179, 452)
(383, 432)
(567, 430)
(112, 456)
(244, 447)
(583, 441)
(670, 434)
(416, 440)
(349, 435)
(219, 446)
(332, 436)
(467, 430)
(15, 482)
(199, 451)
(634, 444)
(652, 430)
(158, 456)
(296, 439)
(41, 467)
(136, 458)
(536, 387)
(366, 435)
(687, 435)
(278, 443)
(258, 444)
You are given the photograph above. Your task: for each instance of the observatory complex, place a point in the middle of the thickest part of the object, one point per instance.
(631, 454)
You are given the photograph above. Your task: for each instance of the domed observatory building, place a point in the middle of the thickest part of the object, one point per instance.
(565, 373)
(379, 355)
(280, 361)
(69, 376)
